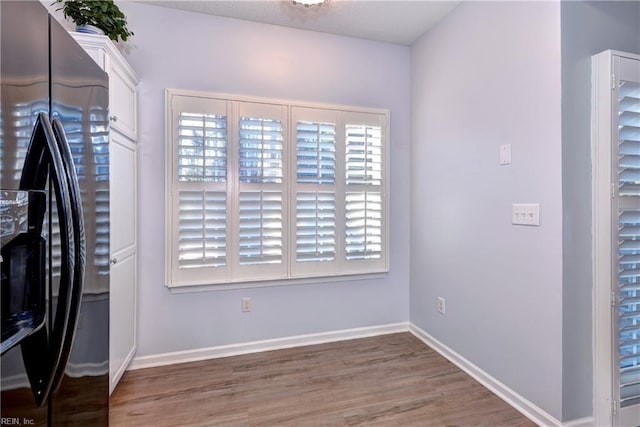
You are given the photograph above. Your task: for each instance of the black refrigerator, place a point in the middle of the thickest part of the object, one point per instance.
(54, 222)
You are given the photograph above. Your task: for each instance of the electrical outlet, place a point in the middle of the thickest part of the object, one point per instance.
(246, 304)
(441, 307)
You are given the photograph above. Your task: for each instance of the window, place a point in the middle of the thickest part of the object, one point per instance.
(267, 190)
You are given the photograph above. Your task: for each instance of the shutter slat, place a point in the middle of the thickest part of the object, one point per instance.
(260, 227)
(629, 303)
(202, 237)
(261, 150)
(363, 228)
(315, 146)
(363, 154)
(629, 139)
(315, 226)
(201, 147)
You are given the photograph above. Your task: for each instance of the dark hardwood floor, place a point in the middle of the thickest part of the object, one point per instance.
(389, 380)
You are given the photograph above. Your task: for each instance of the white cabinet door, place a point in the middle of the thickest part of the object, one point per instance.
(122, 335)
(122, 101)
(122, 193)
(122, 332)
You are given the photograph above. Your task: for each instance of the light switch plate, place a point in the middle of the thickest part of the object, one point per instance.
(505, 154)
(525, 214)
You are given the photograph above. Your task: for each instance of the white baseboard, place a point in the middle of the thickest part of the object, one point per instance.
(265, 345)
(515, 400)
(582, 422)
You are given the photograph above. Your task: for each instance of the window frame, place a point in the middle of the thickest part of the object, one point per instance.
(289, 271)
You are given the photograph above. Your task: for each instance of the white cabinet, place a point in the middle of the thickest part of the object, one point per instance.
(122, 200)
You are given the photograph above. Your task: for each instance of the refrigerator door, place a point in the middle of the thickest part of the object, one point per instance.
(79, 114)
(43, 352)
(75, 100)
(23, 252)
(24, 93)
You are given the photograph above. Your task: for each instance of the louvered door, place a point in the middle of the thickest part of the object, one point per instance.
(626, 150)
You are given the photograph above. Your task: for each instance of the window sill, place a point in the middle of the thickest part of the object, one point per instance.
(184, 289)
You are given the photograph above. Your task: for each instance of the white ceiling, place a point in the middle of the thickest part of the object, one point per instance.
(393, 21)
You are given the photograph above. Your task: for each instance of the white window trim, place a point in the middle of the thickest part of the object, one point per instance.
(228, 282)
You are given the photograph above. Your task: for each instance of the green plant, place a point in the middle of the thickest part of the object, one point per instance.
(104, 14)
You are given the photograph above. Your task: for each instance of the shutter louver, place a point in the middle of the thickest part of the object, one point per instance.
(260, 227)
(629, 242)
(315, 226)
(261, 150)
(629, 305)
(267, 191)
(202, 147)
(629, 138)
(202, 230)
(363, 154)
(363, 225)
(316, 152)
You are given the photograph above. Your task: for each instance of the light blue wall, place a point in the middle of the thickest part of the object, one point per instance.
(489, 74)
(587, 28)
(174, 49)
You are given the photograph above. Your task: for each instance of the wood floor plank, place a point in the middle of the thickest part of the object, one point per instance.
(389, 380)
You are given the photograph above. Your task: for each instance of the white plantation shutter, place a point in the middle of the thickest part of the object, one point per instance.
(315, 152)
(199, 213)
(261, 150)
(271, 191)
(260, 227)
(315, 189)
(315, 226)
(363, 154)
(261, 189)
(629, 139)
(202, 229)
(201, 164)
(629, 241)
(365, 205)
(363, 226)
(202, 147)
(629, 305)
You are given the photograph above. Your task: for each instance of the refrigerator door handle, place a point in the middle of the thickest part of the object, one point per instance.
(44, 163)
(79, 252)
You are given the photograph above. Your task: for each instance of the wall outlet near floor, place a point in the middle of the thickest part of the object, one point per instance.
(441, 307)
(247, 305)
